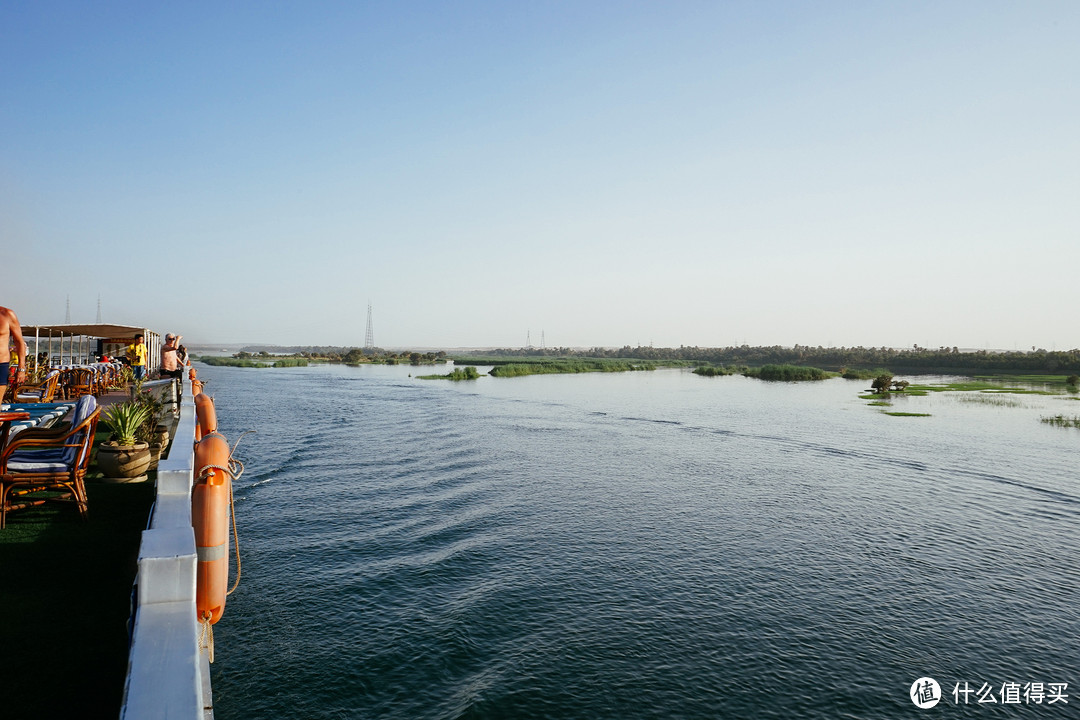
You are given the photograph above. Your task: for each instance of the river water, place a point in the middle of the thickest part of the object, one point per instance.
(643, 545)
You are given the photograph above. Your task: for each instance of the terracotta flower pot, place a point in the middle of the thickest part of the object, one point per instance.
(155, 455)
(123, 461)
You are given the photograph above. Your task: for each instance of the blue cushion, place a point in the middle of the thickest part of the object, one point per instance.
(83, 409)
(48, 454)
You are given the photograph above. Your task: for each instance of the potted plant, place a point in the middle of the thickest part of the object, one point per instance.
(124, 456)
(158, 440)
(151, 431)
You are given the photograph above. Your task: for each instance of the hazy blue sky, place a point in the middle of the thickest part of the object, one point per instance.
(607, 173)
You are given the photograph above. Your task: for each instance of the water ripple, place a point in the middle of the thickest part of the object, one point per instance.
(549, 549)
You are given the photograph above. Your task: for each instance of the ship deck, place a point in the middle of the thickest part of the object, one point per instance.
(66, 591)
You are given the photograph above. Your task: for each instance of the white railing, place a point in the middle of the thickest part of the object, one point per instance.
(168, 676)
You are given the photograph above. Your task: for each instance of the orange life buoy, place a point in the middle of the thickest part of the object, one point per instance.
(210, 519)
(207, 415)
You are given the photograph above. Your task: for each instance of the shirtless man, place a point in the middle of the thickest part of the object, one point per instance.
(10, 330)
(170, 362)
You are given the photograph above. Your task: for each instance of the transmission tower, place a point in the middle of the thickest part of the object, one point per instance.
(67, 315)
(369, 336)
(99, 308)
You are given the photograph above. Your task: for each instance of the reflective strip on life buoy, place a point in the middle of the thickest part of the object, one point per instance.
(210, 520)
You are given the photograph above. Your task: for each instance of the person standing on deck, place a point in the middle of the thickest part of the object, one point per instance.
(170, 361)
(11, 331)
(136, 353)
(182, 356)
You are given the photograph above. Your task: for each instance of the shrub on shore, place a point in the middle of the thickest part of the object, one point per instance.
(569, 367)
(231, 362)
(718, 370)
(788, 373)
(863, 374)
(466, 373)
(248, 363)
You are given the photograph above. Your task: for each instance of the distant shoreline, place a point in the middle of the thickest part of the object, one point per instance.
(911, 361)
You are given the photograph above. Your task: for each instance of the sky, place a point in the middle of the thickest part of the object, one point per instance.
(589, 173)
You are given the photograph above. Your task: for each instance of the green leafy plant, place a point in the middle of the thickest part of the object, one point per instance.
(154, 405)
(467, 373)
(717, 371)
(788, 373)
(125, 419)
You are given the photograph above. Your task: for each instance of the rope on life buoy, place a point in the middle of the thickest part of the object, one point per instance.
(203, 475)
(206, 637)
(236, 469)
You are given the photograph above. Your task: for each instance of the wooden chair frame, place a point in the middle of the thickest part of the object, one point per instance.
(71, 479)
(45, 389)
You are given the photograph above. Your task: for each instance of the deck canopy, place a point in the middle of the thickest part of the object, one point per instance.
(81, 351)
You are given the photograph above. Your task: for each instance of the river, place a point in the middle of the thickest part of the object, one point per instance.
(642, 545)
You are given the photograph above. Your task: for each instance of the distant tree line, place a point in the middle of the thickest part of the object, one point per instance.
(911, 360)
(338, 354)
(915, 359)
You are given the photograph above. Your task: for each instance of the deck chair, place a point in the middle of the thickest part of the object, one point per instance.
(43, 392)
(44, 460)
(82, 383)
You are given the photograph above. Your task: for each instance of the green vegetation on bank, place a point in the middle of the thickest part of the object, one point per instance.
(994, 399)
(466, 373)
(853, 362)
(249, 363)
(980, 391)
(978, 386)
(719, 370)
(1069, 381)
(915, 360)
(567, 367)
(1063, 421)
(781, 373)
(884, 388)
(290, 362)
(292, 357)
(219, 361)
(789, 373)
(863, 374)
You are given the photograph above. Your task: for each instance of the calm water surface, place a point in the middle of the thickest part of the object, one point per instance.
(639, 545)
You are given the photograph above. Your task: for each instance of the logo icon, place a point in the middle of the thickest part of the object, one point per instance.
(925, 692)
